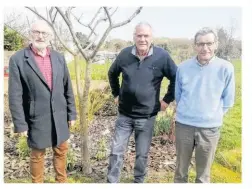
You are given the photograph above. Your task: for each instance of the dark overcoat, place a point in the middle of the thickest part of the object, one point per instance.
(44, 113)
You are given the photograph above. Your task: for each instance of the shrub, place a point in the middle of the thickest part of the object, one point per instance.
(71, 159)
(97, 98)
(164, 121)
(101, 151)
(22, 147)
(162, 125)
(12, 40)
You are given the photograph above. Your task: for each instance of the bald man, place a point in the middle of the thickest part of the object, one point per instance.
(41, 101)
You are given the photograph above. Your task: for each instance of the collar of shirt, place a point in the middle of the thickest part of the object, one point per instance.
(202, 65)
(134, 51)
(35, 51)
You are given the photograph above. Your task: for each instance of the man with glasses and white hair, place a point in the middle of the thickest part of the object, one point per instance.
(204, 92)
(41, 101)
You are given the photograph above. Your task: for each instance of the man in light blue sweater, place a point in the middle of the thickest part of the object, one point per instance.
(204, 91)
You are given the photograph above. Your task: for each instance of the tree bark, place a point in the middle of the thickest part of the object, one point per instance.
(85, 159)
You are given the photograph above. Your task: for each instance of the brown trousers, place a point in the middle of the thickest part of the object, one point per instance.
(59, 163)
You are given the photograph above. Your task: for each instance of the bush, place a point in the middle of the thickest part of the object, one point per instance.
(164, 121)
(162, 125)
(71, 159)
(22, 147)
(96, 100)
(12, 40)
(101, 151)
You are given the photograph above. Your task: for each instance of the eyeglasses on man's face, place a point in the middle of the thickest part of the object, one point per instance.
(37, 33)
(208, 44)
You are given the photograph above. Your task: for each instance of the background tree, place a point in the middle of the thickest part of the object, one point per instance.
(229, 47)
(84, 40)
(12, 40)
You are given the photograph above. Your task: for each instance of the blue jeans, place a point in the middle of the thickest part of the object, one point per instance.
(143, 134)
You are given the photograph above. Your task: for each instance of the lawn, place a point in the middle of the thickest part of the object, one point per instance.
(227, 164)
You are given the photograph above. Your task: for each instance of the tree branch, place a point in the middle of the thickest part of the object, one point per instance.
(86, 25)
(100, 42)
(91, 43)
(63, 16)
(112, 27)
(96, 14)
(114, 12)
(78, 20)
(108, 16)
(128, 20)
(36, 12)
(98, 22)
(47, 15)
(28, 21)
(55, 15)
(93, 29)
(76, 41)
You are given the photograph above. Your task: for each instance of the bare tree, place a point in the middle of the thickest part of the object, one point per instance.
(13, 22)
(103, 14)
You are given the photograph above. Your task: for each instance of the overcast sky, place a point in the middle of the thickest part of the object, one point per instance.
(172, 22)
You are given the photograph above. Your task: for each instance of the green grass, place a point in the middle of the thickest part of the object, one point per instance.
(22, 147)
(231, 129)
(98, 71)
(219, 174)
(227, 165)
(230, 159)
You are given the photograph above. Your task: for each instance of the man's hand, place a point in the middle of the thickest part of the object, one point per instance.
(71, 123)
(23, 134)
(117, 100)
(163, 105)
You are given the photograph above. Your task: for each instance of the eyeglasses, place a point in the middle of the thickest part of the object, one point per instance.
(37, 33)
(208, 44)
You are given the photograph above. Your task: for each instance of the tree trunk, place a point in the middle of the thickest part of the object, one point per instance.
(85, 159)
(79, 87)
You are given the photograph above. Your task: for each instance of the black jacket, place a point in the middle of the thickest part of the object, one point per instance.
(141, 81)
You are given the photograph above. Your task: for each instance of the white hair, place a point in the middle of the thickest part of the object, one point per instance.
(42, 22)
(142, 24)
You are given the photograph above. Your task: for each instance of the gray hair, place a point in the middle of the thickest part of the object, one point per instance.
(142, 24)
(205, 31)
